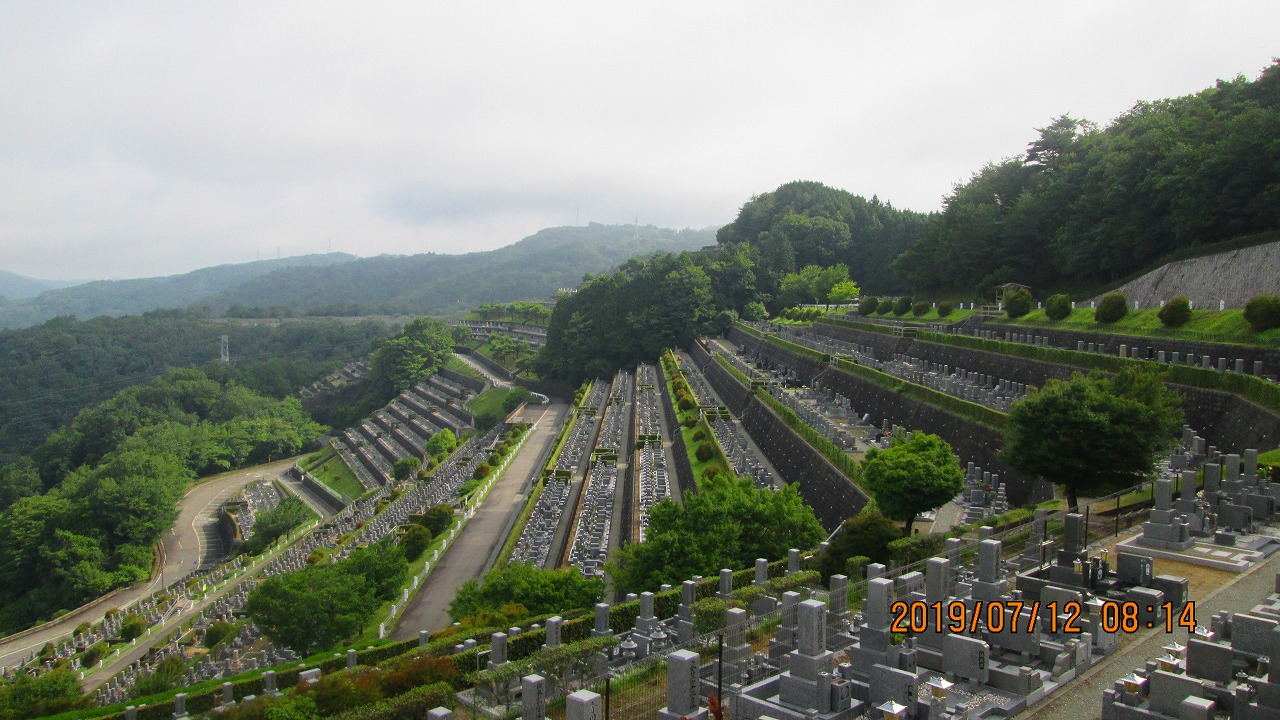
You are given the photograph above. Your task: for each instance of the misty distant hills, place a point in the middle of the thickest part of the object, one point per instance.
(341, 284)
(132, 297)
(20, 287)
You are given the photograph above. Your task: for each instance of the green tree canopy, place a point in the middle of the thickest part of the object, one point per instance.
(728, 523)
(540, 591)
(912, 476)
(312, 609)
(1093, 434)
(414, 353)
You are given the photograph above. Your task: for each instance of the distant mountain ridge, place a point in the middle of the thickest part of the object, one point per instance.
(20, 287)
(133, 297)
(341, 284)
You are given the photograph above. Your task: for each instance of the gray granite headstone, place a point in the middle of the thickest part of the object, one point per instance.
(583, 705)
(533, 697)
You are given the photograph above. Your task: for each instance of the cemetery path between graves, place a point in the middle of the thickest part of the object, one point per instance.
(485, 533)
(191, 540)
(493, 379)
(1082, 698)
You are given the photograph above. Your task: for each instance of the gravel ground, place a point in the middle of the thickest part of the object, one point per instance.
(1082, 698)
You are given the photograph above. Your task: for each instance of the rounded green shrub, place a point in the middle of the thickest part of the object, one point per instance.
(944, 308)
(1111, 308)
(705, 452)
(1263, 312)
(902, 305)
(886, 306)
(919, 308)
(216, 632)
(1057, 307)
(1176, 312)
(1017, 303)
(867, 305)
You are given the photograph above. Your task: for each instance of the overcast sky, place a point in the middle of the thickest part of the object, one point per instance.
(141, 139)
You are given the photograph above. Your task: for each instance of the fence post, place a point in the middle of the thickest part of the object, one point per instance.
(720, 665)
(1117, 516)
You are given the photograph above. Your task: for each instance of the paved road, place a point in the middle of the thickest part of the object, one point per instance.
(1082, 698)
(191, 541)
(470, 553)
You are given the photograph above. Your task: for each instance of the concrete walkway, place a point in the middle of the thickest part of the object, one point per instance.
(470, 554)
(1082, 698)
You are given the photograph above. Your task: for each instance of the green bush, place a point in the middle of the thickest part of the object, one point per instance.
(705, 452)
(1111, 308)
(482, 471)
(216, 633)
(1057, 307)
(867, 305)
(699, 435)
(902, 305)
(1017, 303)
(93, 654)
(945, 308)
(132, 627)
(907, 550)
(415, 541)
(1263, 312)
(1176, 312)
(919, 308)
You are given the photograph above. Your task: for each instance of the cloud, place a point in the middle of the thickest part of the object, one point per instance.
(151, 138)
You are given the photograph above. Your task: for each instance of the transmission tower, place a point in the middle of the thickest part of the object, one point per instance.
(225, 355)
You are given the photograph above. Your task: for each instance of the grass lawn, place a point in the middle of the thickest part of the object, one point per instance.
(488, 401)
(453, 363)
(1228, 326)
(334, 473)
(956, 315)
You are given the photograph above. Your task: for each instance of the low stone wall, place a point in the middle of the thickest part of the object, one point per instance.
(466, 381)
(971, 441)
(683, 468)
(1228, 421)
(323, 493)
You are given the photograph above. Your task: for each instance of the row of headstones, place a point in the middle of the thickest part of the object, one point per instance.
(293, 559)
(741, 455)
(442, 488)
(590, 543)
(615, 416)
(654, 483)
(379, 472)
(105, 630)
(1226, 670)
(259, 497)
(406, 434)
(534, 544)
(648, 411)
(983, 495)
(579, 443)
(344, 447)
(815, 418)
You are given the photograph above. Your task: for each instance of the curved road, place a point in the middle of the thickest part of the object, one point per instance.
(192, 540)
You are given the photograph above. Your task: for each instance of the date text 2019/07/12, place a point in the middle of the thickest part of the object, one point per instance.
(1001, 615)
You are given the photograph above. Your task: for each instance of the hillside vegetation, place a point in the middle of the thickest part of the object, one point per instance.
(50, 372)
(101, 491)
(1085, 206)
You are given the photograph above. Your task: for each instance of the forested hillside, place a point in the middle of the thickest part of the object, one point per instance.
(434, 284)
(114, 478)
(808, 223)
(1085, 206)
(50, 372)
(132, 297)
